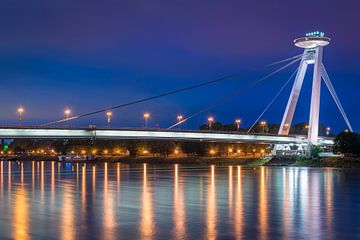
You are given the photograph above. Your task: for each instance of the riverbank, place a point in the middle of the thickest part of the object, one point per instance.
(221, 161)
(336, 162)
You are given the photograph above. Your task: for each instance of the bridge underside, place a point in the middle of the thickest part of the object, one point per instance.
(146, 134)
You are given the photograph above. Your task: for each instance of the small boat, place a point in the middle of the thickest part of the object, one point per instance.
(77, 158)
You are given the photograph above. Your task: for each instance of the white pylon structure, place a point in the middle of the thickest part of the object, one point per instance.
(313, 44)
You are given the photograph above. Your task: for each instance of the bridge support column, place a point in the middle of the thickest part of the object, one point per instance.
(315, 98)
(294, 96)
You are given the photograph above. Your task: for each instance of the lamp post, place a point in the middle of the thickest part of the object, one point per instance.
(20, 111)
(263, 124)
(179, 118)
(238, 122)
(210, 120)
(108, 115)
(67, 113)
(146, 117)
(328, 129)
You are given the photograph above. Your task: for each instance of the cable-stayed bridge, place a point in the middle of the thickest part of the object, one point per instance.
(313, 44)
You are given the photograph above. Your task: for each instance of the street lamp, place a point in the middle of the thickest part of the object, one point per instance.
(238, 122)
(263, 124)
(210, 120)
(20, 111)
(67, 113)
(108, 115)
(179, 118)
(328, 129)
(146, 117)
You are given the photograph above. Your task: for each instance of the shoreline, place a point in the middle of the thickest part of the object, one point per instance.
(336, 162)
(220, 161)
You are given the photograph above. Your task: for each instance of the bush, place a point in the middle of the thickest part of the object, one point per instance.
(347, 143)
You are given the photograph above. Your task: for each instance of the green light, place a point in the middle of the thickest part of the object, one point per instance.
(6, 147)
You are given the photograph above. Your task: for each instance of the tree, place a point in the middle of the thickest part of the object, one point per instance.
(347, 143)
(194, 148)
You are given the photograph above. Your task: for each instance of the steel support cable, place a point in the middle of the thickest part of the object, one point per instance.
(228, 97)
(331, 88)
(273, 100)
(202, 84)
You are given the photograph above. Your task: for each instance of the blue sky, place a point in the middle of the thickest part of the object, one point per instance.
(93, 54)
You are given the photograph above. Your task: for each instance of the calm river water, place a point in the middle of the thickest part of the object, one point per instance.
(49, 200)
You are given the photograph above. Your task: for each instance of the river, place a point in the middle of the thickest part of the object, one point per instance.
(51, 200)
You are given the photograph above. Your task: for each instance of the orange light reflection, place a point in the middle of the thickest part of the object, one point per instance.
(211, 215)
(179, 207)
(239, 212)
(146, 222)
(263, 208)
(21, 215)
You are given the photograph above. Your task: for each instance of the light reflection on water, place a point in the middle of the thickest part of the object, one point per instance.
(112, 200)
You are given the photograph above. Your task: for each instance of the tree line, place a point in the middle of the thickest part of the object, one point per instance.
(136, 147)
(348, 143)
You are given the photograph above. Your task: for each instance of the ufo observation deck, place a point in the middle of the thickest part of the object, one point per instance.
(312, 40)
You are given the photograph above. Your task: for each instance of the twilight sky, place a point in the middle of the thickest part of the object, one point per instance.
(92, 54)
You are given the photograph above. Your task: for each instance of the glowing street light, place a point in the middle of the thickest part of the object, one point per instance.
(67, 113)
(210, 120)
(179, 118)
(108, 115)
(263, 124)
(328, 129)
(20, 111)
(146, 117)
(238, 122)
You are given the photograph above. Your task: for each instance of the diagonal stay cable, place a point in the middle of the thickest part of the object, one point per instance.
(272, 100)
(234, 94)
(202, 84)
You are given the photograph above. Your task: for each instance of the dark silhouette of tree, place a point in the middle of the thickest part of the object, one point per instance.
(347, 143)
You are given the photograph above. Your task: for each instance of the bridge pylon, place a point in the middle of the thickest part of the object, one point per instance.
(313, 44)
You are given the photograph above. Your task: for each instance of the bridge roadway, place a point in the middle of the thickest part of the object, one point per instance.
(148, 134)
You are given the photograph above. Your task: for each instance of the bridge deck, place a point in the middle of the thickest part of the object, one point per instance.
(148, 134)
